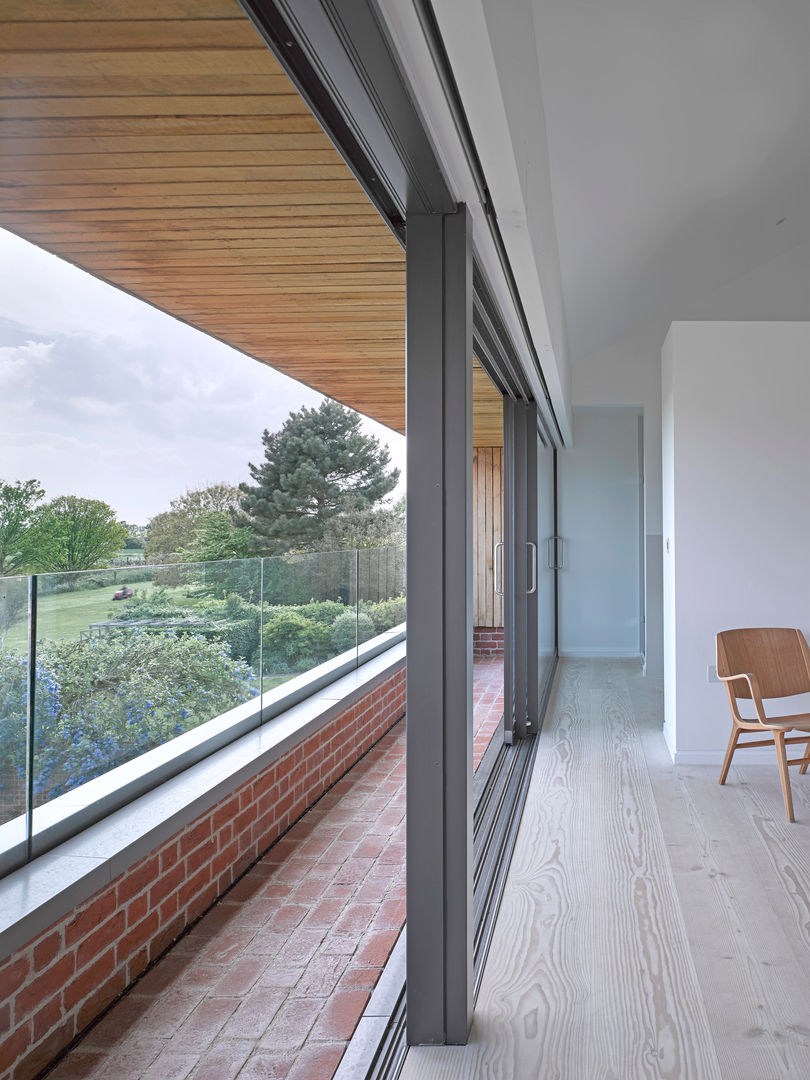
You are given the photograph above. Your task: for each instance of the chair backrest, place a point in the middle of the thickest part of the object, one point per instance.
(778, 656)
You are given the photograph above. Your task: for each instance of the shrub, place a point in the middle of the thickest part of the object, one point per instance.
(385, 613)
(156, 605)
(294, 643)
(322, 611)
(105, 701)
(348, 631)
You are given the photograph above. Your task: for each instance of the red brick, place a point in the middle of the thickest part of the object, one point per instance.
(94, 944)
(317, 1062)
(375, 948)
(47, 950)
(202, 854)
(98, 1001)
(340, 1014)
(47, 1016)
(205, 1022)
(168, 881)
(137, 879)
(88, 919)
(391, 914)
(42, 987)
(16, 1044)
(89, 980)
(160, 941)
(137, 909)
(168, 908)
(196, 835)
(190, 888)
(14, 974)
(287, 917)
(137, 937)
(43, 1053)
(169, 856)
(359, 978)
(223, 1061)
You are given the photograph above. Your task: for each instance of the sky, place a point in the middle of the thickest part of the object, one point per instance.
(105, 397)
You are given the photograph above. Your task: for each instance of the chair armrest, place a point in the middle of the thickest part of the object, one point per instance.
(753, 686)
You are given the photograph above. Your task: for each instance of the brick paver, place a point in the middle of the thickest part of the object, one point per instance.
(272, 980)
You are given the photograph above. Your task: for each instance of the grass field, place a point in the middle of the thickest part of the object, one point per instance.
(65, 615)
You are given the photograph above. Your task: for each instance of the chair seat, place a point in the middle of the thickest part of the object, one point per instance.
(800, 722)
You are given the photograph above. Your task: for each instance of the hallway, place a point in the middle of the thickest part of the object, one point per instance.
(654, 925)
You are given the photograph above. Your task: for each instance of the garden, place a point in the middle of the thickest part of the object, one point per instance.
(115, 679)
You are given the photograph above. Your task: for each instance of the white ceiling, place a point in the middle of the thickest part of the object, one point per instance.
(678, 136)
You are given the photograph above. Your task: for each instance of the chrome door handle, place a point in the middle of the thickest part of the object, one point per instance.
(497, 567)
(531, 544)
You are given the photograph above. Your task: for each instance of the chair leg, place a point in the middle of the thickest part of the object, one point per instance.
(781, 757)
(732, 746)
(803, 768)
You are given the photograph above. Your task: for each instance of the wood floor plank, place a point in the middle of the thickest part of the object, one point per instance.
(653, 1020)
(590, 973)
(745, 963)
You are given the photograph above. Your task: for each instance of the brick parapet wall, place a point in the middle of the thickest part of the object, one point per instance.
(487, 641)
(55, 985)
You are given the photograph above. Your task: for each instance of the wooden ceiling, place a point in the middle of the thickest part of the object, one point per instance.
(160, 146)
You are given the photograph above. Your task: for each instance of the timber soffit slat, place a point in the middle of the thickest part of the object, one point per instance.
(161, 147)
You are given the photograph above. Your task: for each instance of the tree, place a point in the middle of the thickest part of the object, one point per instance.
(175, 529)
(319, 464)
(218, 538)
(18, 503)
(71, 533)
(136, 536)
(366, 527)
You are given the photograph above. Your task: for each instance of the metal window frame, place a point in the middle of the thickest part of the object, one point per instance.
(339, 56)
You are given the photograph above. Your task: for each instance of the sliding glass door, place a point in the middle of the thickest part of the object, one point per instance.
(549, 553)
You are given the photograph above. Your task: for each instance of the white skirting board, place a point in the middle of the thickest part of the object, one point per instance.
(597, 653)
(760, 756)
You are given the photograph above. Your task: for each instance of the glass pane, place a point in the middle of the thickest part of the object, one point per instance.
(13, 700)
(380, 591)
(309, 613)
(128, 659)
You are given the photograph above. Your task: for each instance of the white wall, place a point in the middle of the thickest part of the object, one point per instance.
(599, 521)
(736, 503)
(628, 372)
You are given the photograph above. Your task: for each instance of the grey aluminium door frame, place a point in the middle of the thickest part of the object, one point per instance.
(520, 568)
(439, 829)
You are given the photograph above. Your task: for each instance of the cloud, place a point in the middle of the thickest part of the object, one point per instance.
(107, 397)
(20, 363)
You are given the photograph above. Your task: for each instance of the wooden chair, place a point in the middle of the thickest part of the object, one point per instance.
(766, 662)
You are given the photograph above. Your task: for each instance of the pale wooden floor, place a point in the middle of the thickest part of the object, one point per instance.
(655, 925)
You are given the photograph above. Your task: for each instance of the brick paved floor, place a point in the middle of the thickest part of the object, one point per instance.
(272, 980)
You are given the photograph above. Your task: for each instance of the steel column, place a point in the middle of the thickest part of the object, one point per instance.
(439, 664)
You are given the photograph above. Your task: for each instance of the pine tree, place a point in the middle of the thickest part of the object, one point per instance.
(319, 464)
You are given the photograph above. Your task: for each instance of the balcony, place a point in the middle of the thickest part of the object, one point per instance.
(293, 945)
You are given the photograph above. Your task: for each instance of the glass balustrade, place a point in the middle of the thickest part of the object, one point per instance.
(136, 666)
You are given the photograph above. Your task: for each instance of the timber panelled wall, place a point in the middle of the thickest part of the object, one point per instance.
(54, 986)
(487, 532)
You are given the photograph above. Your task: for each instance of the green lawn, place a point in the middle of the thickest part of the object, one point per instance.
(272, 681)
(65, 615)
